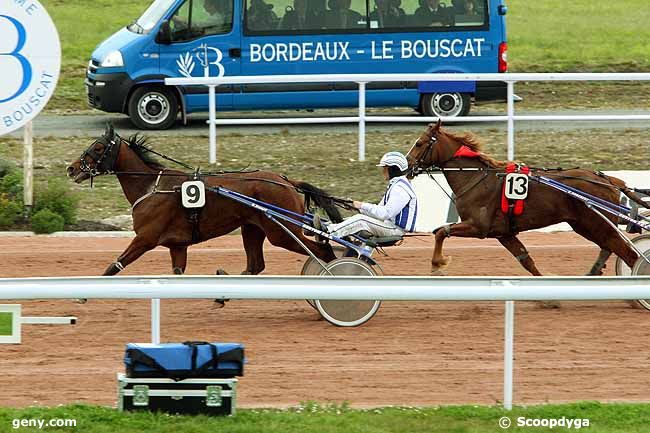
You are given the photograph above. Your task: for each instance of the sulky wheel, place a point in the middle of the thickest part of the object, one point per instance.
(642, 242)
(312, 267)
(642, 267)
(348, 312)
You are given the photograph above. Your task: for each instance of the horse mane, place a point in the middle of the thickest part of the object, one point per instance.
(138, 144)
(472, 142)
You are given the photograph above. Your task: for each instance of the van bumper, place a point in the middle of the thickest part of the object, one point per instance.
(491, 91)
(108, 92)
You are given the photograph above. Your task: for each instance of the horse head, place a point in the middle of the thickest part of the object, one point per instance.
(99, 158)
(433, 148)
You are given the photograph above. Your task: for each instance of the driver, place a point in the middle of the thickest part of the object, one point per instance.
(396, 212)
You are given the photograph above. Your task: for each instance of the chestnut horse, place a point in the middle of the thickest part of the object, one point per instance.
(478, 200)
(160, 219)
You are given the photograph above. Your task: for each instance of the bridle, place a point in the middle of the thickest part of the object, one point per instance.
(104, 161)
(426, 155)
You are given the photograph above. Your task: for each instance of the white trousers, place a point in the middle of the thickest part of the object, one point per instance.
(360, 222)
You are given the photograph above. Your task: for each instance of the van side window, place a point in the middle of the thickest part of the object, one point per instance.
(344, 14)
(309, 16)
(286, 17)
(197, 18)
(260, 16)
(304, 15)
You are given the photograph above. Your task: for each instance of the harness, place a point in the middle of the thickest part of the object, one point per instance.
(512, 208)
(105, 163)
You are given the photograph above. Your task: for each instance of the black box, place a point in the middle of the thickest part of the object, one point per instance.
(189, 396)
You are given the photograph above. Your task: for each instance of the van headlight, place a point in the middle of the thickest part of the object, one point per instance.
(112, 60)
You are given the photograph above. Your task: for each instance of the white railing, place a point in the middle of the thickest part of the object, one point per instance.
(363, 79)
(508, 289)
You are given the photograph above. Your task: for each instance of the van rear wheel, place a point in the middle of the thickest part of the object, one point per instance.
(451, 104)
(153, 108)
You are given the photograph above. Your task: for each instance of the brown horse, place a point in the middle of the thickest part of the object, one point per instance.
(160, 219)
(478, 199)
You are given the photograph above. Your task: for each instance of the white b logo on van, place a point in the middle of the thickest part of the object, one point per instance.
(207, 57)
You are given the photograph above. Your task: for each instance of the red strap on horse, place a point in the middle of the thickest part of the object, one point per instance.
(518, 207)
(465, 152)
(505, 203)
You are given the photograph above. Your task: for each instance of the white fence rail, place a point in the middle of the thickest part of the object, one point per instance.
(384, 288)
(363, 79)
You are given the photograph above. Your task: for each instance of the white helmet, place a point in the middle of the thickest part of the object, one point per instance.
(395, 159)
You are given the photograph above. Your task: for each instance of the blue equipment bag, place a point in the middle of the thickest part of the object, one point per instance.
(178, 361)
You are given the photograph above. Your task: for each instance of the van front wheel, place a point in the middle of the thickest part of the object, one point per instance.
(153, 108)
(452, 104)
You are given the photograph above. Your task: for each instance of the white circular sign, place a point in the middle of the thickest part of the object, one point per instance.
(30, 60)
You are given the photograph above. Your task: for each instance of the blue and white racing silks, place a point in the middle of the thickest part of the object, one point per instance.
(399, 205)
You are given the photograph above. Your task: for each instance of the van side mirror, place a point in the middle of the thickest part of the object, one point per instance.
(503, 9)
(164, 34)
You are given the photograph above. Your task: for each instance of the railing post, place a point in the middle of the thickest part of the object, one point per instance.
(212, 112)
(362, 121)
(508, 354)
(28, 168)
(155, 321)
(511, 120)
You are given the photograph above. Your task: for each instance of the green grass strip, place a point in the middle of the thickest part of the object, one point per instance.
(308, 418)
(5, 323)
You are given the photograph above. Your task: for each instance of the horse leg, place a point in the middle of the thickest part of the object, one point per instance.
(438, 261)
(599, 265)
(138, 246)
(607, 239)
(179, 259)
(253, 238)
(518, 250)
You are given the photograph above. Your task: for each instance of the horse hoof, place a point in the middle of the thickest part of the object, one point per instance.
(438, 269)
(220, 303)
(221, 272)
(550, 305)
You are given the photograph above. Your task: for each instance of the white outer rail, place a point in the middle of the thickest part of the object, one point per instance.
(306, 287)
(363, 79)
(508, 289)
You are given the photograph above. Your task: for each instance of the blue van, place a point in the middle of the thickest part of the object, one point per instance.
(175, 38)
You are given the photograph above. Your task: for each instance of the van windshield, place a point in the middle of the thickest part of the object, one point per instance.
(151, 16)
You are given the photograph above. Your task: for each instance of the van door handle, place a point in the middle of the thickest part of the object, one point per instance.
(235, 52)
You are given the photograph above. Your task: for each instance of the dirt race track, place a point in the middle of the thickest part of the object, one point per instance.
(408, 354)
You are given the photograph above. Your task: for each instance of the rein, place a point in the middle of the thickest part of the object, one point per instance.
(486, 172)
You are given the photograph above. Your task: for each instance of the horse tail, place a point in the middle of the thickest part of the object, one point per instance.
(320, 197)
(629, 192)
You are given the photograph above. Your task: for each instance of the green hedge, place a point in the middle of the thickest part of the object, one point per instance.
(57, 198)
(45, 221)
